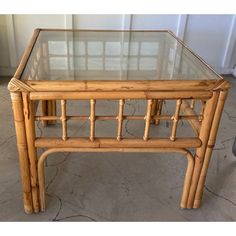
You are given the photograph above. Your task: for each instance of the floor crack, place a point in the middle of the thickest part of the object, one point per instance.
(54, 177)
(230, 117)
(126, 124)
(220, 196)
(60, 205)
(73, 216)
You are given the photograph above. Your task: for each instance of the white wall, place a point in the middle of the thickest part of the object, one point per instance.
(25, 24)
(211, 36)
(207, 35)
(4, 46)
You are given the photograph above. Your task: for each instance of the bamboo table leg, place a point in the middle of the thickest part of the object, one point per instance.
(200, 152)
(210, 145)
(17, 107)
(30, 135)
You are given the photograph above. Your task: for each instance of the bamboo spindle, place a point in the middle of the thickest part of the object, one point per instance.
(17, 107)
(44, 112)
(210, 145)
(120, 119)
(30, 135)
(192, 104)
(175, 119)
(63, 120)
(147, 118)
(92, 119)
(154, 110)
(200, 152)
(51, 110)
(159, 109)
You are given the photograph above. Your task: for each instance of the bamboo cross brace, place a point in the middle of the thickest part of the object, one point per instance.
(92, 119)
(148, 119)
(175, 119)
(63, 120)
(120, 119)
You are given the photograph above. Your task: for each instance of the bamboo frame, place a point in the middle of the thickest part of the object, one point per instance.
(186, 153)
(25, 93)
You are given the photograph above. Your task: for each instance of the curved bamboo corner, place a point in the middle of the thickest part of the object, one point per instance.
(185, 152)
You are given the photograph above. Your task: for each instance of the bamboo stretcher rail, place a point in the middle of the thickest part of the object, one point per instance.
(156, 117)
(112, 142)
(120, 119)
(186, 153)
(121, 95)
(121, 85)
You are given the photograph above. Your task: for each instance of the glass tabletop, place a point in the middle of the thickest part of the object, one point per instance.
(113, 55)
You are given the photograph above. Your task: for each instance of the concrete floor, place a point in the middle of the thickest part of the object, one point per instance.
(118, 187)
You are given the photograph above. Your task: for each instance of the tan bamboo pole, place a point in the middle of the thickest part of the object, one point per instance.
(112, 142)
(92, 119)
(159, 109)
(44, 112)
(147, 118)
(186, 153)
(30, 135)
(120, 95)
(51, 110)
(210, 145)
(17, 107)
(187, 180)
(113, 85)
(154, 110)
(163, 117)
(175, 119)
(120, 119)
(63, 120)
(187, 110)
(200, 152)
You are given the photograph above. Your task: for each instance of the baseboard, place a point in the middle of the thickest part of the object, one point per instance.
(7, 71)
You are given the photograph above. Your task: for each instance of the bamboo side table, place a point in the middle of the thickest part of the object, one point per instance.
(152, 66)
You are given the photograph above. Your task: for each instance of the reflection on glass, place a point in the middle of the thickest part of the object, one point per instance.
(112, 55)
